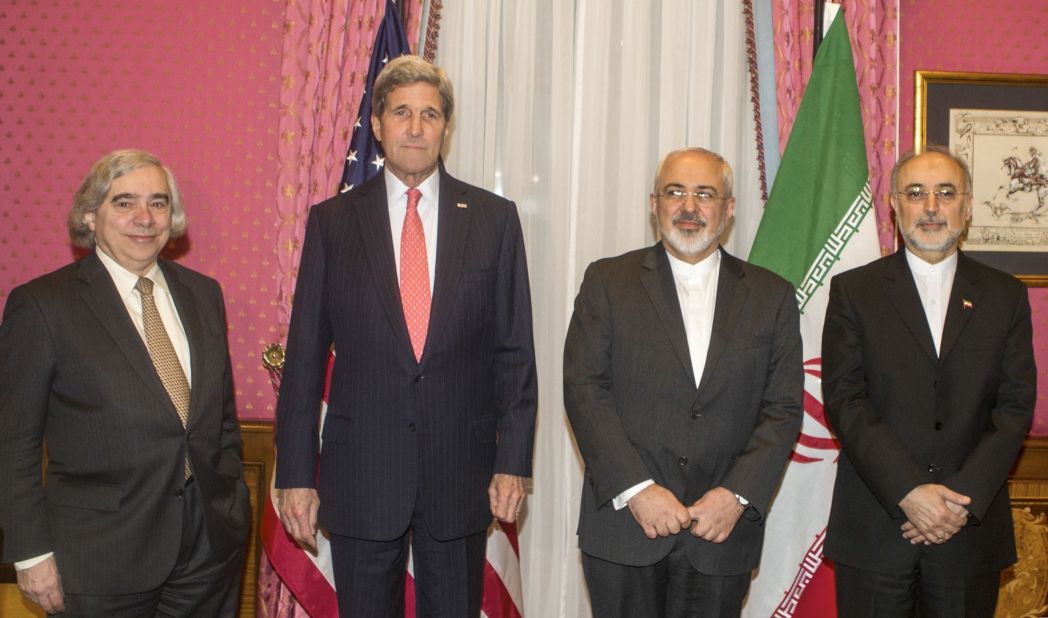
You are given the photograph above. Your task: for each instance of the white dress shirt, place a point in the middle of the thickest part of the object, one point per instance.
(697, 292)
(125, 282)
(397, 199)
(934, 284)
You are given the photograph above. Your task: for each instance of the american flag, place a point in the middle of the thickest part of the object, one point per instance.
(310, 577)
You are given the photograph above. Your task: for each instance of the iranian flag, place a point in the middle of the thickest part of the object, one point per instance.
(818, 222)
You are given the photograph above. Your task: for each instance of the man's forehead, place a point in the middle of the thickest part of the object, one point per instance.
(148, 179)
(930, 167)
(689, 168)
(418, 93)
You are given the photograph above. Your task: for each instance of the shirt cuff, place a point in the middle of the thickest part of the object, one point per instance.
(22, 565)
(620, 501)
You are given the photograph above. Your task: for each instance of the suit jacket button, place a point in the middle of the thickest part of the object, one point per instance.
(696, 414)
(933, 468)
(683, 461)
(938, 425)
(411, 426)
(179, 492)
(420, 379)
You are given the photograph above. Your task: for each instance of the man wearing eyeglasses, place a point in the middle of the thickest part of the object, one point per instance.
(929, 384)
(683, 384)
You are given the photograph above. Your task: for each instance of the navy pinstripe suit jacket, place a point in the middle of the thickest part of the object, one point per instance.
(403, 436)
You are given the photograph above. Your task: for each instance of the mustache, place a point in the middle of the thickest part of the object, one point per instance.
(691, 217)
(932, 220)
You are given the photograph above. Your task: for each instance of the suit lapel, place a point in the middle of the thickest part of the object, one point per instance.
(452, 232)
(731, 295)
(902, 292)
(657, 279)
(964, 298)
(101, 297)
(373, 216)
(189, 314)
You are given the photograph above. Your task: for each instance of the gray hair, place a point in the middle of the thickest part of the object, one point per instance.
(727, 178)
(407, 70)
(943, 150)
(100, 179)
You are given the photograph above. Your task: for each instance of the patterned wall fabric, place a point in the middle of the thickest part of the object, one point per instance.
(327, 47)
(873, 26)
(195, 83)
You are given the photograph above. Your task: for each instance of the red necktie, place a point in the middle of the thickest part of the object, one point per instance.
(414, 275)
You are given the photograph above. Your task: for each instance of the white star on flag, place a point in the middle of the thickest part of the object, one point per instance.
(378, 162)
(352, 156)
(356, 125)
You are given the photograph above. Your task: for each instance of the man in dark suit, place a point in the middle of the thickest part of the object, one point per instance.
(143, 511)
(683, 383)
(929, 384)
(431, 412)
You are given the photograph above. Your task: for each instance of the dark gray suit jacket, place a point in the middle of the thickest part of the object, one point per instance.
(74, 372)
(633, 403)
(403, 436)
(905, 415)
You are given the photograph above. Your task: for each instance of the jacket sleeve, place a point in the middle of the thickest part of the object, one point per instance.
(613, 464)
(985, 470)
(756, 473)
(301, 387)
(27, 365)
(867, 440)
(516, 389)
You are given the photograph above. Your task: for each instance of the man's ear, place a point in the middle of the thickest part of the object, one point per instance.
(376, 127)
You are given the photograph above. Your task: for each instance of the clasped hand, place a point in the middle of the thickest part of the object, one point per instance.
(934, 514)
(712, 517)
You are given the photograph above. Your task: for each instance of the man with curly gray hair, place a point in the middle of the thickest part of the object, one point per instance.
(119, 363)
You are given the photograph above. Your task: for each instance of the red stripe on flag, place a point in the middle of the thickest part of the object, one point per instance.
(497, 603)
(296, 570)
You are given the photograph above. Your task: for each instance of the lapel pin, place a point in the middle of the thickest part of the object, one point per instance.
(461, 205)
(967, 304)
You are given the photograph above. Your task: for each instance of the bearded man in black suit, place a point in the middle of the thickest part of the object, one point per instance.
(929, 383)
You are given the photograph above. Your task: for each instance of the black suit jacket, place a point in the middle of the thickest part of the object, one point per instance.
(633, 403)
(74, 372)
(906, 415)
(401, 435)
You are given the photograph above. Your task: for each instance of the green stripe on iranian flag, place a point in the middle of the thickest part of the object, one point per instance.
(818, 222)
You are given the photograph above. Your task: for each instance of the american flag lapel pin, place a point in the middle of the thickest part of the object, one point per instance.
(461, 205)
(967, 304)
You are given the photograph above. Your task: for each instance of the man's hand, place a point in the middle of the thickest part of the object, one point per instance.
(658, 512)
(715, 514)
(934, 514)
(298, 512)
(506, 494)
(42, 585)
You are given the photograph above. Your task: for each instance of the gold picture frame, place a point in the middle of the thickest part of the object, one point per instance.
(993, 120)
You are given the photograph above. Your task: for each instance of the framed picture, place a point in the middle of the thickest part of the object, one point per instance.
(998, 123)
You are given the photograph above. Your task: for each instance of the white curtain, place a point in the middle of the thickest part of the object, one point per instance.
(565, 107)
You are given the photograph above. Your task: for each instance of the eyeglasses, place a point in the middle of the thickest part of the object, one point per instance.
(678, 196)
(944, 194)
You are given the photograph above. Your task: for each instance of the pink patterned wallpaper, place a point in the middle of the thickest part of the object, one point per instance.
(197, 84)
(986, 37)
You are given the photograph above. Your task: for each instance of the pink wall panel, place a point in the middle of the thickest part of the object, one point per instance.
(985, 36)
(196, 83)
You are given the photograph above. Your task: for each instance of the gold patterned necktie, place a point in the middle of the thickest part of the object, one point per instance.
(163, 355)
(414, 275)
